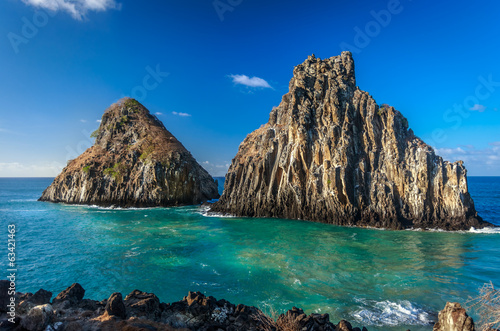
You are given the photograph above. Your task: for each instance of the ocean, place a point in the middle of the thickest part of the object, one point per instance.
(381, 279)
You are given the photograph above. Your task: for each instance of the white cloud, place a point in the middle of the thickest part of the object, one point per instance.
(98, 121)
(181, 114)
(158, 113)
(76, 8)
(16, 169)
(251, 82)
(479, 162)
(83, 121)
(479, 108)
(216, 170)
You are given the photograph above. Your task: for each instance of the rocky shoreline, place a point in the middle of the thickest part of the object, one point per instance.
(139, 311)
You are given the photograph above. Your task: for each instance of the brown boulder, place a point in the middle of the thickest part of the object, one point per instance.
(142, 304)
(74, 294)
(454, 318)
(115, 306)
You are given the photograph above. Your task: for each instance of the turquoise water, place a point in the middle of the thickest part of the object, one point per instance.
(385, 280)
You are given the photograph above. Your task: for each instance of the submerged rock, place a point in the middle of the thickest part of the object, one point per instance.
(135, 162)
(329, 153)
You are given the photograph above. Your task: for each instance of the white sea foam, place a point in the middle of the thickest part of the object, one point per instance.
(390, 313)
(488, 230)
(114, 207)
(22, 200)
(205, 211)
(485, 230)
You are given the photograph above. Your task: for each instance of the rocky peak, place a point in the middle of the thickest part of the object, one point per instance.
(314, 81)
(127, 123)
(330, 153)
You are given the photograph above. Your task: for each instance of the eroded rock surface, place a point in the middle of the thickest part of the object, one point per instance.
(454, 318)
(135, 162)
(329, 153)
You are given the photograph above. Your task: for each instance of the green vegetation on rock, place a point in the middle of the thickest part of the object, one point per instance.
(117, 171)
(132, 105)
(95, 133)
(147, 152)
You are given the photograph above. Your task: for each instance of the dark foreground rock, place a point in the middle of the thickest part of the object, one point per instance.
(141, 311)
(135, 162)
(330, 153)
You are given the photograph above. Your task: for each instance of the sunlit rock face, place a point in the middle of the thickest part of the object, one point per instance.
(329, 153)
(135, 162)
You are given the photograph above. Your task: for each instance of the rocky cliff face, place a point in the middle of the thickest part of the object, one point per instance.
(135, 162)
(329, 153)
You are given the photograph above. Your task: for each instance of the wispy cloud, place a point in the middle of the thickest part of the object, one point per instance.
(181, 114)
(250, 82)
(216, 169)
(98, 121)
(158, 113)
(479, 108)
(478, 160)
(76, 8)
(83, 121)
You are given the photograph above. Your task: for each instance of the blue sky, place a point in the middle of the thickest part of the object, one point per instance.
(213, 70)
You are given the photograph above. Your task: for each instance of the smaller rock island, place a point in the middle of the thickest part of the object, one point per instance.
(135, 162)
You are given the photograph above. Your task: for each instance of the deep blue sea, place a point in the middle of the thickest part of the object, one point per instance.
(384, 280)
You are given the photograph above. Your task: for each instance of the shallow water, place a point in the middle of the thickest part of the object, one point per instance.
(385, 280)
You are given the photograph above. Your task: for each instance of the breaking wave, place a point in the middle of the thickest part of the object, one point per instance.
(388, 313)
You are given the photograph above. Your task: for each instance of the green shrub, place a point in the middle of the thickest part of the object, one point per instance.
(86, 169)
(147, 152)
(95, 133)
(123, 120)
(117, 171)
(383, 107)
(131, 103)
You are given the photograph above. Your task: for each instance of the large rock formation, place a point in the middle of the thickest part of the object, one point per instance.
(329, 153)
(135, 162)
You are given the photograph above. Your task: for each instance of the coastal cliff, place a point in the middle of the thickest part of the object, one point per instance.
(135, 162)
(330, 153)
